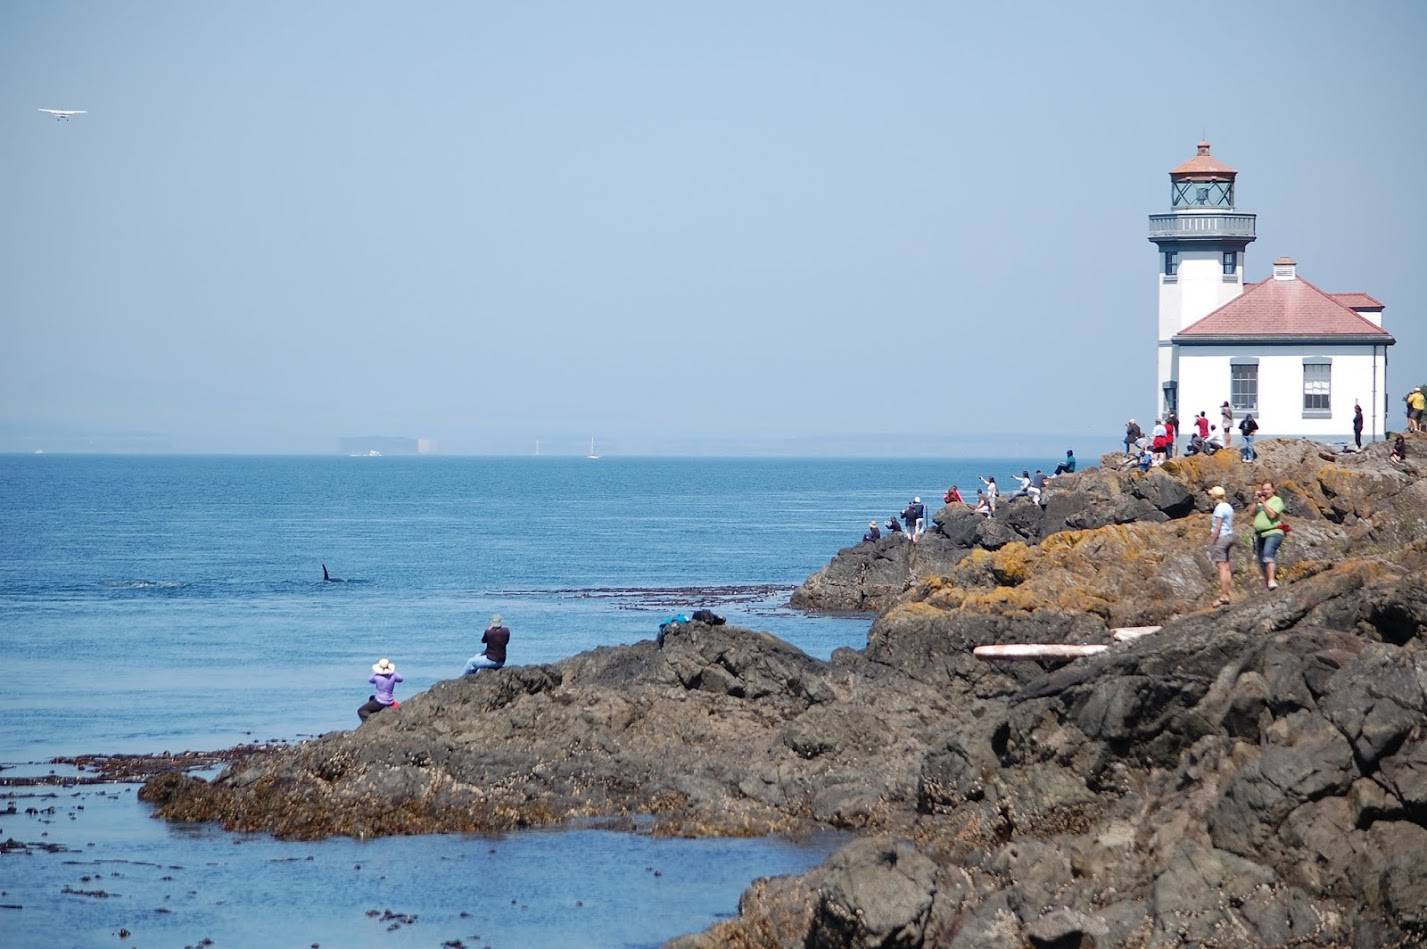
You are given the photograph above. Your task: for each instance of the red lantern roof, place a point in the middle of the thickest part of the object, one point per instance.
(1203, 167)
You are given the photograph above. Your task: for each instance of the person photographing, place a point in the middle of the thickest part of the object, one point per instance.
(1269, 529)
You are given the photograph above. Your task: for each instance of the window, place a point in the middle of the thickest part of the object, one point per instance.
(1244, 387)
(1317, 388)
(1231, 263)
(1171, 263)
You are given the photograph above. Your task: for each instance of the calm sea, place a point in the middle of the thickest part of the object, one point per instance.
(160, 603)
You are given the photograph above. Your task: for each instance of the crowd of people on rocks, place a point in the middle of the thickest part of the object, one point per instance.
(1165, 438)
(912, 521)
(384, 676)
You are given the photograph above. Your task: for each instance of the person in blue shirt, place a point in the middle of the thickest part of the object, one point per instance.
(1068, 465)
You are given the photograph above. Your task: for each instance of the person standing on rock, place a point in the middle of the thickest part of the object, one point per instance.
(1171, 431)
(384, 677)
(991, 492)
(496, 638)
(1226, 424)
(1416, 406)
(915, 518)
(1221, 543)
(1268, 531)
(1132, 436)
(1247, 428)
(873, 534)
(1358, 424)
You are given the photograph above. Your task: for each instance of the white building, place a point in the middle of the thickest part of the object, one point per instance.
(1295, 357)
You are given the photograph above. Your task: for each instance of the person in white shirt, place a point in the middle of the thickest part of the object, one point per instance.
(1221, 542)
(1026, 489)
(991, 492)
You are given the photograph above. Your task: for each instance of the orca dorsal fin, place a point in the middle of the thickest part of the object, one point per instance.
(325, 575)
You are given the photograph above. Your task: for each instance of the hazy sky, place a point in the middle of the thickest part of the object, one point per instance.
(661, 223)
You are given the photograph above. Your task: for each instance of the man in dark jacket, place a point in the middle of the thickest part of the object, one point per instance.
(915, 518)
(495, 638)
(1132, 435)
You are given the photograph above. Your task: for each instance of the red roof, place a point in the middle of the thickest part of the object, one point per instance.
(1203, 165)
(1357, 301)
(1285, 308)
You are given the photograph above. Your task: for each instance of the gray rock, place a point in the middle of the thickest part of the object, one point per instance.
(878, 893)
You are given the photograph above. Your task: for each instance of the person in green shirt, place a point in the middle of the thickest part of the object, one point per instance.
(1268, 531)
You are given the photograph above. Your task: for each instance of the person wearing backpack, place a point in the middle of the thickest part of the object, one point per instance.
(1269, 529)
(1247, 428)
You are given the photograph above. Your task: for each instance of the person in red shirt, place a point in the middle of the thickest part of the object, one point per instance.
(1201, 422)
(953, 496)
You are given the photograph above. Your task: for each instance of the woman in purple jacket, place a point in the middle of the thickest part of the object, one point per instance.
(384, 677)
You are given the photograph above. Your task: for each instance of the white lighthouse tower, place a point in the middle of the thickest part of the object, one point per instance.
(1201, 261)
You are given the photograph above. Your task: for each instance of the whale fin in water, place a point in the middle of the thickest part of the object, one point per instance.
(326, 577)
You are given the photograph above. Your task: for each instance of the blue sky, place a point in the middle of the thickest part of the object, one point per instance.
(677, 226)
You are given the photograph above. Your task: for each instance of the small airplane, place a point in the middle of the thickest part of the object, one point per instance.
(64, 114)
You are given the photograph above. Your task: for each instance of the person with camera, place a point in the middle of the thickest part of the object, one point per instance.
(1269, 530)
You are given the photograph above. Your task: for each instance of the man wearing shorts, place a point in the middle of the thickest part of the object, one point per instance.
(1416, 402)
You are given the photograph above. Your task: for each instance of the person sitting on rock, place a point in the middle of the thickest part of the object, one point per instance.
(1147, 458)
(1068, 465)
(1399, 450)
(496, 638)
(894, 526)
(1196, 444)
(1159, 439)
(1039, 481)
(873, 534)
(1214, 442)
(1026, 490)
(983, 504)
(953, 496)
(384, 677)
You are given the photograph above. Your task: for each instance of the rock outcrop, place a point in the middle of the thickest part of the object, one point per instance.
(1252, 775)
(1360, 492)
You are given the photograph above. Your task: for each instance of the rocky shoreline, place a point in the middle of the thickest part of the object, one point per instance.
(1250, 775)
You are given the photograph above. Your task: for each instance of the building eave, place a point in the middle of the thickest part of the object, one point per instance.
(1339, 339)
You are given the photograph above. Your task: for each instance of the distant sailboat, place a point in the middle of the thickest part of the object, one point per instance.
(592, 456)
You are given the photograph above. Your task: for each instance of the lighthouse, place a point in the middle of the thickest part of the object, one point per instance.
(1301, 360)
(1201, 243)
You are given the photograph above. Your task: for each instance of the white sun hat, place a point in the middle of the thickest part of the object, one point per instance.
(384, 667)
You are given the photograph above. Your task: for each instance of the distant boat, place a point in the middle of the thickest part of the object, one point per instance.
(592, 456)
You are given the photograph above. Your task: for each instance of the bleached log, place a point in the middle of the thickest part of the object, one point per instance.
(1127, 634)
(1036, 651)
